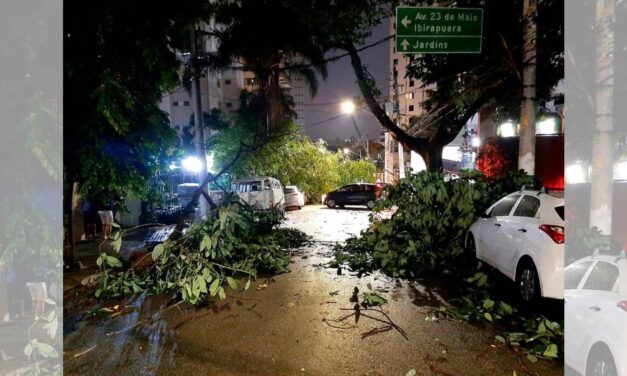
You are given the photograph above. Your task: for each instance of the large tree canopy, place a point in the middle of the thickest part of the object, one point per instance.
(463, 83)
(466, 82)
(119, 59)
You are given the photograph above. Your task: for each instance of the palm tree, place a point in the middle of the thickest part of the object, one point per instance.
(272, 50)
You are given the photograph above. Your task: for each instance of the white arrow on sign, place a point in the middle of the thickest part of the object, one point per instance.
(405, 44)
(405, 21)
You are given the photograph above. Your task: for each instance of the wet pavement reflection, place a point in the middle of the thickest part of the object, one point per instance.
(293, 324)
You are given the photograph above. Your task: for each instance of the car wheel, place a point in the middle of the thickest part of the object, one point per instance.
(331, 204)
(528, 282)
(601, 363)
(370, 204)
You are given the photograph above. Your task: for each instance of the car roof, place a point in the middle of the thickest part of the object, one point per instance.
(612, 259)
(254, 178)
(557, 196)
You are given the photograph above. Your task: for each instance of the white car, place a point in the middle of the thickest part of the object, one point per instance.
(596, 315)
(522, 235)
(294, 198)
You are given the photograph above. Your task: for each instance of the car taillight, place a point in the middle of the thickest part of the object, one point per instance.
(622, 305)
(555, 232)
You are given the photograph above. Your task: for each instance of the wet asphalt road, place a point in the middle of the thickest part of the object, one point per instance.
(298, 323)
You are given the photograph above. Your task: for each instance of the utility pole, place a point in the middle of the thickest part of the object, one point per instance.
(397, 115)
(527, 145)
(199, 139)
(601, 190)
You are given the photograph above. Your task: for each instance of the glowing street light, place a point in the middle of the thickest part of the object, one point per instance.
(348, 107)
(192, 164)
(346, 151)
(476, 142)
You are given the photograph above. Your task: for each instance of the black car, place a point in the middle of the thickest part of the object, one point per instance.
(354, 194)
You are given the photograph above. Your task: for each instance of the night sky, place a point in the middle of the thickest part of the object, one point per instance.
(340, 85)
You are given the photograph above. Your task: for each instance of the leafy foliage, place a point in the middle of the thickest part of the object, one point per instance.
(290, 157)
(211, 256)
(428, 230)
(537, 335)
(116, 136)
(296, 54)
(492, 77)
(427, 234)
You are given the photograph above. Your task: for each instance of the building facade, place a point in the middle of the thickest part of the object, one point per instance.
(405, 96)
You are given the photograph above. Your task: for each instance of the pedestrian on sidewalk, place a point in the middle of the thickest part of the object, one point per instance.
(106, 217)
(90, 216)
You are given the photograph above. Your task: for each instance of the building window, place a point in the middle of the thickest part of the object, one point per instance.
(175, 103)
(395, 61)
(411, 83)
(411, 95)
(393, 49)
(227, 82)
(229, 105)
(411, 108)
(186, 103)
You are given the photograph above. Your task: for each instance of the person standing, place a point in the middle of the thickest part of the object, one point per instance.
(90, 217)
(106, 217)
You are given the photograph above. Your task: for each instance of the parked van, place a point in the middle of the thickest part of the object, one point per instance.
(260, 192)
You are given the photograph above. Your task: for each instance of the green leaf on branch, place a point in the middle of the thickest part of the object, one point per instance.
(158, 251)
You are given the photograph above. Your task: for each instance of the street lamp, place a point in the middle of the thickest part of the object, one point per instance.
(348, 107)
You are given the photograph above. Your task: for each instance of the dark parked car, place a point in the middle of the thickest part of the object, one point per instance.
(354, 194)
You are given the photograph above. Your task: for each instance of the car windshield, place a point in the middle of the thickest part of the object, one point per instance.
(289, 190)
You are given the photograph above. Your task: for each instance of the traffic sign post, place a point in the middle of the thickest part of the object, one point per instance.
(438, 30)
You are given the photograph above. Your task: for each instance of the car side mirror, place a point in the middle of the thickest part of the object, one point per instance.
(485, 214)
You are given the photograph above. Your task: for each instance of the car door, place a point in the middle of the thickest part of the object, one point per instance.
(597, 307)
(354, 194)
(341, 195)
(492, 238)
(515, 232)
(574, 277)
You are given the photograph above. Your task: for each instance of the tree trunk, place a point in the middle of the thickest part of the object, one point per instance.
(274, 102)
(527, 147)
(434, 157)
(413, 143)
(199, 139)
(602, 142)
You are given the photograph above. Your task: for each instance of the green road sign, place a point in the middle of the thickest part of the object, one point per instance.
(438, 30)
